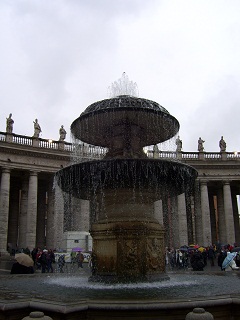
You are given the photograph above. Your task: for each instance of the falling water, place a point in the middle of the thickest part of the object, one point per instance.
(124, 183)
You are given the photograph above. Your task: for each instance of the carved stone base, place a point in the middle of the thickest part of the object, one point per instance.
(129, 251)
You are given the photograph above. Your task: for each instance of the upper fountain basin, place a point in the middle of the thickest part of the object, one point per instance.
(102, 121)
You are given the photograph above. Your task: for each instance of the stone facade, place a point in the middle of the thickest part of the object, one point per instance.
(34, 212)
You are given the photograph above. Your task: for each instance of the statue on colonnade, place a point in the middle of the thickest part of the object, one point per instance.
(179, 144)
(37, 129)
(200, 144)
(62, 133)
(9, 124)
(222, 145)
(155, 151)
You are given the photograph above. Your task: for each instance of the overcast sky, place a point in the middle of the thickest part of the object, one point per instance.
(59, 56)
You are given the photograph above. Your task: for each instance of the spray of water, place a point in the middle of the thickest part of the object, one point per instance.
(123, 86)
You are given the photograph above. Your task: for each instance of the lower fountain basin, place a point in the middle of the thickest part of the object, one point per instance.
(159, 177)
(71, 296)
(75, 287)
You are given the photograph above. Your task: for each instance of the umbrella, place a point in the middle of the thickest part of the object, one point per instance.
(183, 248)
(76, 249)
(236, 249)
(201, 249)
(24, 259)
(230, 256)
(195, 246)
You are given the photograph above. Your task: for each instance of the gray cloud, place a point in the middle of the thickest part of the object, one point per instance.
(59, 56)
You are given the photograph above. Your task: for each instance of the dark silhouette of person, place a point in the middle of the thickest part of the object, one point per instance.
(18, 268)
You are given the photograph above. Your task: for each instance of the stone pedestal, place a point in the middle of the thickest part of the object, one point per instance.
(128, 251)
(61, 145)
(35, 142)
(223, 155)
(9, 137)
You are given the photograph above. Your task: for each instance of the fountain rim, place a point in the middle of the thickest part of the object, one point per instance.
(157, 106)
(94, 117)
(111, 164)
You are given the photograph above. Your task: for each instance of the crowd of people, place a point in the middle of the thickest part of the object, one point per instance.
(43, 260)
(197, 258)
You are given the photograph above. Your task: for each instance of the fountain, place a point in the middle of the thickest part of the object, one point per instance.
(128, 241)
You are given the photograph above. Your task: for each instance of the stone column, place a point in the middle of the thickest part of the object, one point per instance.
(32, 210)
(228, 212)
(58, 217)
(23, 213)
(198, 226)
(190, 215)
(205, 211)
(173, 230)
(13, 213)
(182, 220)
(4, 207)
(236, 217)
(221, 218)
(212, 204)
(50, 227)
(77, 215)
(85, 212)
(41, 215)
(158, 211)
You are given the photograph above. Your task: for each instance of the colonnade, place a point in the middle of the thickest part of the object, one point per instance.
(209, 216)
(33, 213)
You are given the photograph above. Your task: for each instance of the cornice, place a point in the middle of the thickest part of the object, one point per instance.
(208, 165)
(35, 152)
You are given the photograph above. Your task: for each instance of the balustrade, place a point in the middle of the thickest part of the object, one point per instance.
(22, 140)
(96, 152)
(213, 155)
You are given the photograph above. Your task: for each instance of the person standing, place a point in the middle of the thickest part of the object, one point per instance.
(222, 255)
(61, 263)
(197, 262)
(232, 264)
(50, 260)
(211, 255)
(79, 259)
(43, 260)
